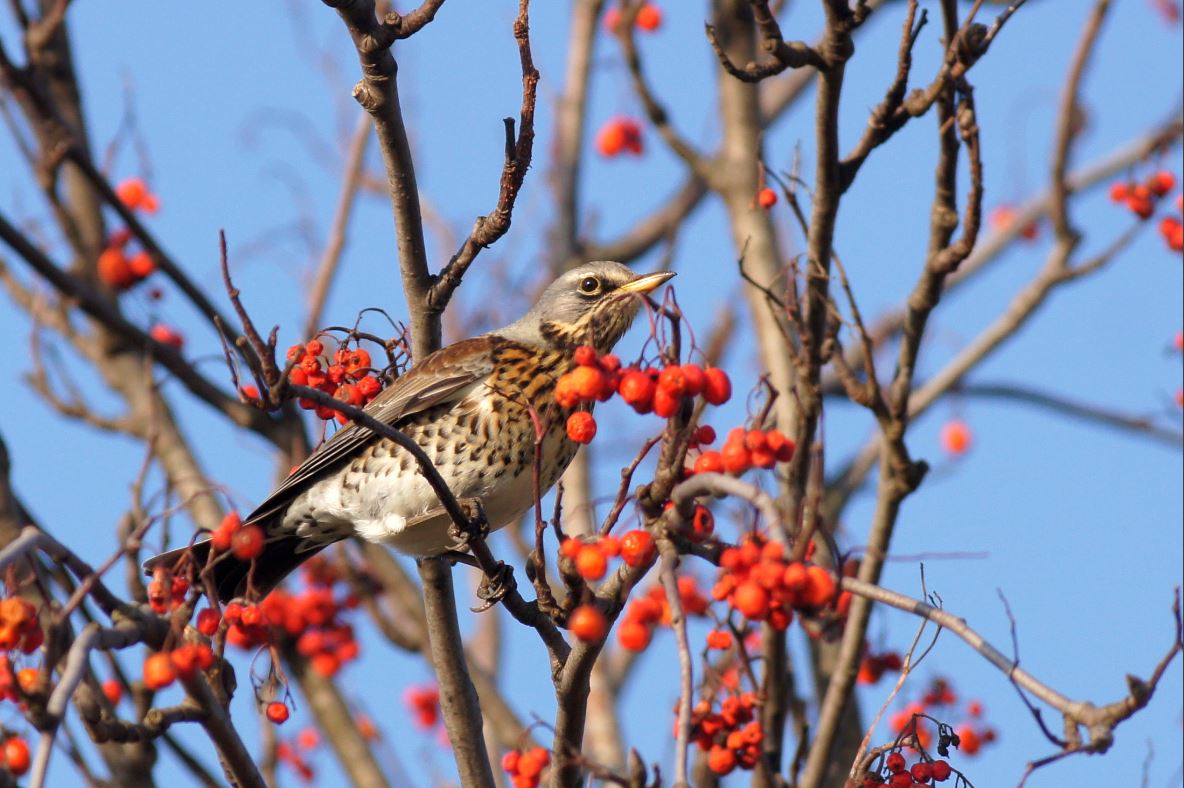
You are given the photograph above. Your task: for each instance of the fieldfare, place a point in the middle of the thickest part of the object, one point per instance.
(469, 406)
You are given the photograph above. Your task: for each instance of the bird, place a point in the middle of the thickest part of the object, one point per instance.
(471, 406)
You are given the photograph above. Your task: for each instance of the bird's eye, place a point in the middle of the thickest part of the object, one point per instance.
(590, 285)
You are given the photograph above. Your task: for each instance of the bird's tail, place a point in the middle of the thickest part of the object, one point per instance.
(234, 577)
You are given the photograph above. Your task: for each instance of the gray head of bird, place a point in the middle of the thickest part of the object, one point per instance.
(592, 304)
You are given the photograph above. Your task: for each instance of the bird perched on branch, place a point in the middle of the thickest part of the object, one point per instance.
(472, 407)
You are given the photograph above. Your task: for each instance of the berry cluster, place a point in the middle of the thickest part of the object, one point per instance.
(19, 627)
(1003, 218)
(1141, 198)
(312, 617)
(526, 767)
(134, 193)
(744, 449)
(646, 612)
(245, 541)
(120, 270)
(167, 335)
(649, 18)
(589, 559)
(873, 666)
(596, 379)
(16, 755)
(732, 736)
(350, 378)
(897, 774)
(165, 591)
(424, 703)
(939, 698)
(758, 582)
(619, 135)
(163, 668)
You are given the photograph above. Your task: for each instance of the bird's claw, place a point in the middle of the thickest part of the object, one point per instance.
(478, 526)
(493, 588)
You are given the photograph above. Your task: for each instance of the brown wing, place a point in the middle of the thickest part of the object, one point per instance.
(444, 376)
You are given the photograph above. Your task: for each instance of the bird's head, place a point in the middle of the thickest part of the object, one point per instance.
(592, 304)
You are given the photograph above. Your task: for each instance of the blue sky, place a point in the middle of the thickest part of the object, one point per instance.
(244, 107)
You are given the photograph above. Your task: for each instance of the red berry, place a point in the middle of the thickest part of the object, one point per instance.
(1119, 191)
(113, 690)
(895, 762)
(633, 635)
(637, 547)
(721, 760)
(591, 562)
(766, 198)
(921, 771)
(637, 389)
(588, 624)
(752, 601)
(131, 192)
(166, 336)
(709, 462)
(649, 17)
(941, 771)
(207, 621)
(16, 755)
(277, 712)
(115, 270)
(717, 388)
(673, 381)
(581, 427)
(702, 524)
(141, 265)
(1161, 183)
(955, 437)
(665, 403)
(247, 542)
(736, 458)
(585, 356)
(694, 379)
(158, 671)
(705, 435)
(610, 140)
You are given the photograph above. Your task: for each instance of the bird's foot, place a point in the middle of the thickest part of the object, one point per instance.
(478, 526)
(494, 587)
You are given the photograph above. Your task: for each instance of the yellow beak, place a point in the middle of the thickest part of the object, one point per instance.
(646, 282)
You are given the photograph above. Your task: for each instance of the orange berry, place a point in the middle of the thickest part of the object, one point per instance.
(819, 588)
(26, 678)
(752, 601)
(510, 762)
(247, 542)
(649, 17)
(591, 562)
(637, 389)
(277, 712)
(208, 621)
(719, 639)
(16, 755)
(736, 458)
(114, 269)
(709, 462)
(587, 382)
(113, 690)
(588, 624)
(585, 356)
(955, 437)
(755, 440)
(665, 403)
(766, 198)
(781, 446)
(142, 265)
(637, 547)
(717, 388)
(610, 140)
(1119, 191)
(721, 760)
(159, 671)
(532, 762)
(131, 192)
(1161, 183)
(633, 635)
(581, 427)
(673, 381)
(971, 742)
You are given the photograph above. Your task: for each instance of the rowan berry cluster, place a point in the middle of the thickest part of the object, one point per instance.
(526, 767)
(743, 449)
(313, 617)
(596, 379)
(245, 541)
(647, 611)
(589, 559)
(121, 269)
(350, 378)
(1142, 198)
(166, 591)
(164, 667)
(759, 582)
(732, 736)
(873, 666)
(424, 703)
(19, 626)
(939, 698)
(896, 773)
(1003, 218)
(134, 193)
(16, 755)
(649, 18)
(620, 135)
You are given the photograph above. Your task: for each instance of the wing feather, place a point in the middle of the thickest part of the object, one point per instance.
(445, 376)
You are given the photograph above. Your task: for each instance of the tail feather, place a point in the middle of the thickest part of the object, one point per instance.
(232, 576)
